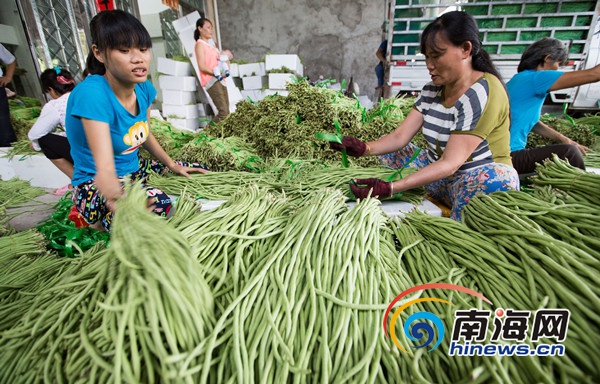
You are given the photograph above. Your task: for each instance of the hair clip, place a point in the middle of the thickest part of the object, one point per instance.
(63, 80)
(57, 70)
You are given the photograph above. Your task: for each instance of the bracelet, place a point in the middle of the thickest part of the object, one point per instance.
(368, 151)
(391, 189)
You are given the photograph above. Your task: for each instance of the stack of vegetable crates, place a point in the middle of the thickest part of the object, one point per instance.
(506, 29)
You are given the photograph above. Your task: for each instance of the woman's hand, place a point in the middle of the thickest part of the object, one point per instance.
(361, 188)
(185, 171)
(353, 147)
(584, 150)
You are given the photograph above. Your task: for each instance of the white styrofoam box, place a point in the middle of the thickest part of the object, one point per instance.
(174, 67)
(186, 36)
(279, 80)
(192, 18)
(202, 109)
(187, 124)
(156, 114)
(204, 122)
(253, 94)
(37, 169)
(180, 111)
(365, 102)
(234, 70)
(289, 61)
(252, 69)
(178, 83)
(401, 208)
(254, 82)
(178, 97)
(593, 170)
(281, 92)
(186, 21)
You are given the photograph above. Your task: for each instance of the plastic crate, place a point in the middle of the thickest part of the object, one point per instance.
(490, 23)
(549, 8)
(521, 22)
(506, 9)
(583, 21)
(476, 10)
(560, 21)
(406, 38)
(501, 36)
(534, 35)
(513, 49)
(578, 6)
(570, 35)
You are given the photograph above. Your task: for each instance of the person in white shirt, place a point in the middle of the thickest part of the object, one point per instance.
(7, 134)
(44, 135)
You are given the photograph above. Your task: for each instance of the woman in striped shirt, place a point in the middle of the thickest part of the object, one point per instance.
(464, 115)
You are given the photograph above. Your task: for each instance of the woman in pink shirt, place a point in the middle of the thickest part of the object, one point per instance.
(207, 56)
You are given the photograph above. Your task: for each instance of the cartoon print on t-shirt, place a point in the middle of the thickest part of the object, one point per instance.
(136, 136)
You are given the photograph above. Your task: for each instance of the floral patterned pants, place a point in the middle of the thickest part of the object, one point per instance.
(457, 189)
(92, 205)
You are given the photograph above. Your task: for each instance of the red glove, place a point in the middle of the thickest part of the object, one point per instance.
(361, 188)
(353, 147)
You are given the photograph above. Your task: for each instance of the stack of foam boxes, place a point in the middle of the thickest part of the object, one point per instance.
(179, 87)
(254, 80)
(278, 81)
(185, 28)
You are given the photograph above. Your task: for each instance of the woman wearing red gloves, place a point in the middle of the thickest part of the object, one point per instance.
(464, 114)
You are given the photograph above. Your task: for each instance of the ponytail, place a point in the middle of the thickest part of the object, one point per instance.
(60, 80)
(482, 61)
(93, 66)
(196, 34)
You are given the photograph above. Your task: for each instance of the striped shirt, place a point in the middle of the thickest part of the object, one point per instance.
(483, 111)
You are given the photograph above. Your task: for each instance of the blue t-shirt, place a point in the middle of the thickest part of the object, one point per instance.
(94, 99)
(527, 91)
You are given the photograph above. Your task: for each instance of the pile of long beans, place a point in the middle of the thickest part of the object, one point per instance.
(576, 184)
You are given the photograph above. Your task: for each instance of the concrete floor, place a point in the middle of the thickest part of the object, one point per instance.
(34, 212)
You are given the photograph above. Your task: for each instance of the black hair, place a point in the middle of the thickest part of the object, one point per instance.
(113, 30)
(536, 53)
(200, 23)
(58, 79)
(459, 27)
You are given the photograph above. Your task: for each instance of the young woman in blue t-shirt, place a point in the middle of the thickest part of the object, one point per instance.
(108, 118)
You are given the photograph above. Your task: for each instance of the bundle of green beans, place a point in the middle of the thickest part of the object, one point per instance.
(579, 185)
(592, 159)
(14, 192)
(213, 185)
(305, 290)
(117, 314)
(220, 154)
(583, 130)
(426, 260)
(510, 273)
(556, 272)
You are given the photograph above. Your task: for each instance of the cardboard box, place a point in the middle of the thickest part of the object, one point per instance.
(180, 111)
(289, 61)
(254, 82)
(279, 80)
(178, 83)
(178, 97)
(174, 67)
